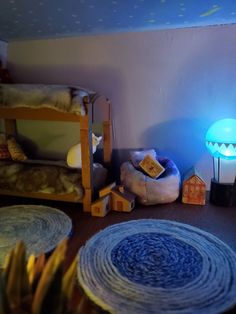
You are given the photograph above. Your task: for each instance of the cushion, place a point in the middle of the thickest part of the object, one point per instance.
(151, 191)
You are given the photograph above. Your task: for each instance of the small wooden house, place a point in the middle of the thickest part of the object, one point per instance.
(113, 197)
(194, 188)
(101, 207)
(122, 200)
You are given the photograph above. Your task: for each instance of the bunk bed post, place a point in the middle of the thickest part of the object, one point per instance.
(87, 155)
(102, 114)
(10, 127)
(107, 139)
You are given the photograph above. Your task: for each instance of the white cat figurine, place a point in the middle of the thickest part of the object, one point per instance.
(74, 153)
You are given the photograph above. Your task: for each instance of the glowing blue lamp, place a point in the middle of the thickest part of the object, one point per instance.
(221, 139)
(221, 143)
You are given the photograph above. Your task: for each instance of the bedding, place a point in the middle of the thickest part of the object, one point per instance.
(46, 177)
(58, 97)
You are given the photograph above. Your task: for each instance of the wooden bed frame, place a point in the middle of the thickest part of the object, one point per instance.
(97, 111)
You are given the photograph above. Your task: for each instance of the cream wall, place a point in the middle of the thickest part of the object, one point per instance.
(166, 86)
(3, 52)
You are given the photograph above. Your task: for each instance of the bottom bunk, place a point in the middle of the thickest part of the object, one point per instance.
(47, 180)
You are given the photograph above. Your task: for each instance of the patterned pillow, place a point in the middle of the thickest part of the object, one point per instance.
(15, 150)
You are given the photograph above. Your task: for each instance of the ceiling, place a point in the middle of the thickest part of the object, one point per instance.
(32, 19)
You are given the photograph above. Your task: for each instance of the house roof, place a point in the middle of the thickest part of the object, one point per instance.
(99, 200)
(27, 19)
(126, 194)
(192, 172)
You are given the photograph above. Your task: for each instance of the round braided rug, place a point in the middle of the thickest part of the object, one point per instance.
(158, 266)
(40, 227)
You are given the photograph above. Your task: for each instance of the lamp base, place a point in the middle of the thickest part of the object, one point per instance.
(222, 194)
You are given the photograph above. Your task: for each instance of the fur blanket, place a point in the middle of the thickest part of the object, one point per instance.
(46, 178)
(58, 97)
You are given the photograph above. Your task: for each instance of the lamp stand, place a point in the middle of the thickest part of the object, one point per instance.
(223, 194)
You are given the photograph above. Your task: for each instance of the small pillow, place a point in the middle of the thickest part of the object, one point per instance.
(15, 150)
(137, 156)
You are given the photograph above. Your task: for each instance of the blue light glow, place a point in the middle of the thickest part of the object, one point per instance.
(221, 139)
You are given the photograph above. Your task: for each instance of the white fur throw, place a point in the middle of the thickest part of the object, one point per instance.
(58, 97)
(150, 191)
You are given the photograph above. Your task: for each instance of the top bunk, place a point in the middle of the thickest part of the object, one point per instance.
(52, 102)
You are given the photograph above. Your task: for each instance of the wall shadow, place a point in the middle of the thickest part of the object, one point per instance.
(101, 79)
(181, 140)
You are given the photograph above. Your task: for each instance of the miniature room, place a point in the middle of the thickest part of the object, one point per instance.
(118, 156)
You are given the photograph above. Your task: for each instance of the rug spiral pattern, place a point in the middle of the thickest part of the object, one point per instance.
(158, 266)
(40, 227)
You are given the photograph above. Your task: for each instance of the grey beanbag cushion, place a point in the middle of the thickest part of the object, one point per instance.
(164, 189)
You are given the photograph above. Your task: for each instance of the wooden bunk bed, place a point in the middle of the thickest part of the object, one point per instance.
(97, 110)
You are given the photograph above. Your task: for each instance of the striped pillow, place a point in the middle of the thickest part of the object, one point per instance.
(15, 150)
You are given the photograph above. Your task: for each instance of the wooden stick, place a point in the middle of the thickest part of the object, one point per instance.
(10, 127)
(87, 156)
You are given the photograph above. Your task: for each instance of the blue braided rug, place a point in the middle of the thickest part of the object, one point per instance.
(40, 227)
(158, 266)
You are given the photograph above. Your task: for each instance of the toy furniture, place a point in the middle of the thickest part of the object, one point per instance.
(194, 188)
(57, 103)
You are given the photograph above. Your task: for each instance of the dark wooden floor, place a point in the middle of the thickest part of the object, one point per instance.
(220, 221)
